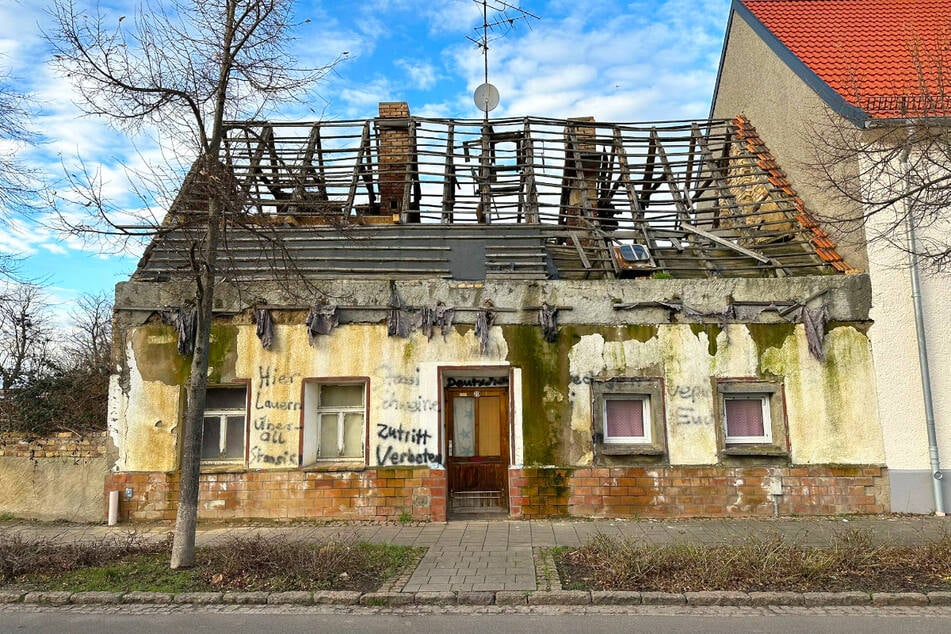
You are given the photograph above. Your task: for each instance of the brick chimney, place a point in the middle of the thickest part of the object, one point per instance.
(394, 154)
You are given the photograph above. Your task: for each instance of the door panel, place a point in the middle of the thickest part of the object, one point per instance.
(477, 461)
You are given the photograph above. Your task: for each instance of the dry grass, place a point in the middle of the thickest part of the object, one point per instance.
(769, 563)
(242, 564)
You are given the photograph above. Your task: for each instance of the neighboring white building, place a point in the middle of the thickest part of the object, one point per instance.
(793, 65)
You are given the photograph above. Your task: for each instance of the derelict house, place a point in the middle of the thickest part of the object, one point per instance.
(523, 317)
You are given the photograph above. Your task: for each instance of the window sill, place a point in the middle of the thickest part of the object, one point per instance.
(754, 450)
(336, 465)
(618, 449)
(223, 467)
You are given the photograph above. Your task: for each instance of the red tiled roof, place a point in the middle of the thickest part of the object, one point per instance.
(883, 56)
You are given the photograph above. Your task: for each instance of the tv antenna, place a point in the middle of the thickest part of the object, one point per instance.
(505, 16)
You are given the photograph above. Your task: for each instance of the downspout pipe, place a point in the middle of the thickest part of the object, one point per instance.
(923, 364)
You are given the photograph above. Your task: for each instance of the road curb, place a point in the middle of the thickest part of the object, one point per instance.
(501, 598)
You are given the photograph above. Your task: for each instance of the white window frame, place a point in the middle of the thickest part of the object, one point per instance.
(764, 400)
(645, 400)
(314, 411)
(223, 414)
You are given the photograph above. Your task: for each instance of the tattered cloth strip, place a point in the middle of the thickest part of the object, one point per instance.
(264, 327)
(548, 320)
(483, 324)
(814, 322)
(440, 317)
(321, 321)
(399, 322)
(185, 321)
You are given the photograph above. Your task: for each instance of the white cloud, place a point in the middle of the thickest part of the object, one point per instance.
(422, 75)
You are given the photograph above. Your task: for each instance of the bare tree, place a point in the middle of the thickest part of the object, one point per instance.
(25, 335)
(88, 344)
(894, 171)
(185, 67)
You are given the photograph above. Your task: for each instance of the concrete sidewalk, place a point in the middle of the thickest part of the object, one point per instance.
(504, 555)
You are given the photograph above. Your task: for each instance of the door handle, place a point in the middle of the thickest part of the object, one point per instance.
(450, 449)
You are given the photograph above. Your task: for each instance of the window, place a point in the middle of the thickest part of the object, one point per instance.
(752, 418)
(626, 419)
(334, 421)
(746, 417)
(628, 416)
(225, 424)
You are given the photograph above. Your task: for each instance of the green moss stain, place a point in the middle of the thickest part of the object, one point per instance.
(637, 332)
(222, 353)
(155, 348)
(544, 420)
(712, 331)
(769, 340)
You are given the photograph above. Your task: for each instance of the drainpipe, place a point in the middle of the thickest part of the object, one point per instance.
(923, 364)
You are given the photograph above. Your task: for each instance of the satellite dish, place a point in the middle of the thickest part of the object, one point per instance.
(486, 97)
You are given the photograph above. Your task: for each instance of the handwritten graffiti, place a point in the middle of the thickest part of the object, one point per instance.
(690, 416)
(420, 404)
(267, 378)
(581, 380)
(477, 381)
(692, 393)
(286, 459)
(413, 435)
(276, 433)
(265, 403)
(393, 377)
(392, 456)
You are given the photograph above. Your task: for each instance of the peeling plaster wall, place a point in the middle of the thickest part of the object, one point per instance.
(830, 417)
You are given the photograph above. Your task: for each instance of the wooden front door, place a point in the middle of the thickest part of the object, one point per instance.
(477, 431)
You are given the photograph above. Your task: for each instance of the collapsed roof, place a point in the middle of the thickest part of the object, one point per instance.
(401, 196)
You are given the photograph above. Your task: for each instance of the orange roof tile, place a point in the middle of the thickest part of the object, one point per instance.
(883, 56)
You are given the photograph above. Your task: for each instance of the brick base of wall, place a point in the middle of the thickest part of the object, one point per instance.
(374, 494)
(696, 491)
(388, 493)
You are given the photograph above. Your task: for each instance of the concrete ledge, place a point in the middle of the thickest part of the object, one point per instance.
(511, 597)
(899, 598)
(811, 599)
(146, 597)
(560, 597)
(11, 596)
(776, 598)
(96, 598)
(663, 598)
(615, 597)
(198, 598)
(436, 598)
(47, 598)
(387, 599)
(297, 597)
(337, 597)
(475, 598)
(717, 598)
(939, 598)
(245, 598)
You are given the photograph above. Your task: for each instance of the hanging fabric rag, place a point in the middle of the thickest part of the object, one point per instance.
(321, 320)
(483, 325)
(185, 322)
(399, 321)
(264, 327)
(440, 316)
(548, 320)
(814, 322)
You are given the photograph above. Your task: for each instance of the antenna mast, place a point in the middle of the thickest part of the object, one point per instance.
(506, 15)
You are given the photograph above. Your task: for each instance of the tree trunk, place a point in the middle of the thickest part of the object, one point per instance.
(183, 543)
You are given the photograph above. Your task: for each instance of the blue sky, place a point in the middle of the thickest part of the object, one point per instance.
(617, 61)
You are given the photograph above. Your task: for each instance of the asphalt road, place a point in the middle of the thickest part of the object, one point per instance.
(559, 621)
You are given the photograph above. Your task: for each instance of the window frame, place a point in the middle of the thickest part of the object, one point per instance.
(774, 442)
(646, 419)
(224, 414)
(650, 391)
(311, 417)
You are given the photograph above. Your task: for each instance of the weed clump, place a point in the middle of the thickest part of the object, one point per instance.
(768, 563)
